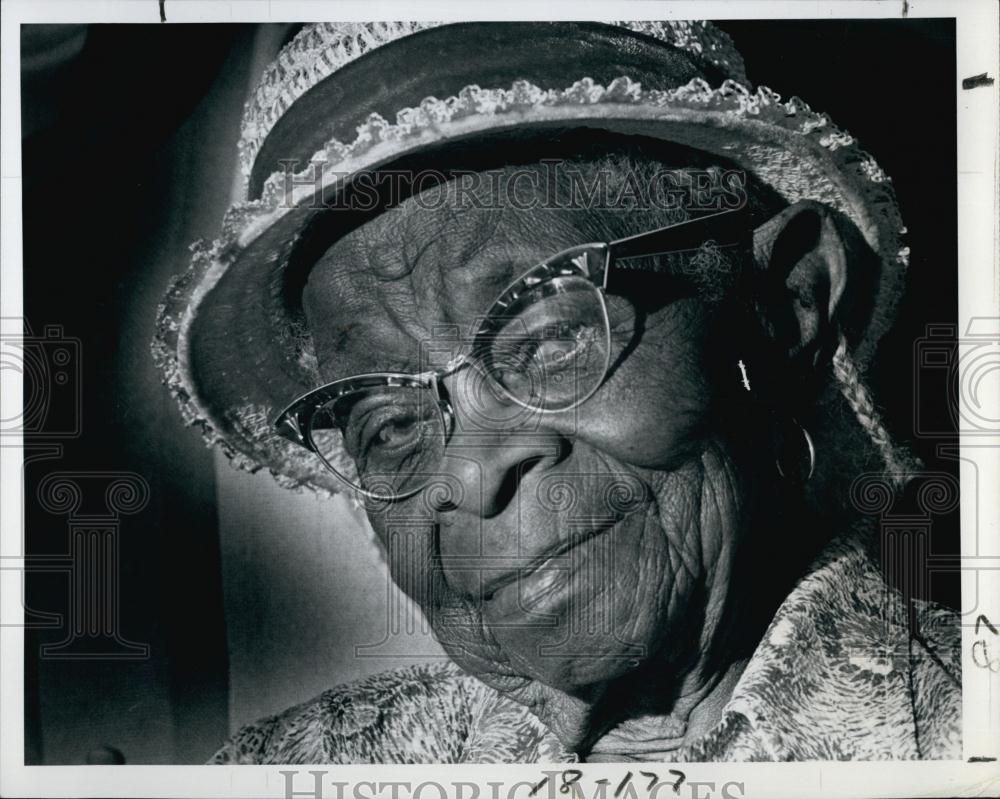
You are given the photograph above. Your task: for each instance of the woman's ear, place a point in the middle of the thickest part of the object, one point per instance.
(802, 264)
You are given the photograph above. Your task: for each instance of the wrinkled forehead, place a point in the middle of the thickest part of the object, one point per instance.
(399, 292)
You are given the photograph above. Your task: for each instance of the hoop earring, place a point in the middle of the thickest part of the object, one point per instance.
(790, 473)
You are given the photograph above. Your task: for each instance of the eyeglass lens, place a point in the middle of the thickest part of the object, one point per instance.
(394, 437)
(548, 351)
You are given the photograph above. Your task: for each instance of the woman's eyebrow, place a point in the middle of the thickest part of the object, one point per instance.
(494, 274)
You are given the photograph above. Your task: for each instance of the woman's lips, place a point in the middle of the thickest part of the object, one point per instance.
(529, 594)
(510, 570)
(531, 590)
(569, 619)
(531, 597)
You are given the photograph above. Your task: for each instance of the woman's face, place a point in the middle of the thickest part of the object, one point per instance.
(563, 550)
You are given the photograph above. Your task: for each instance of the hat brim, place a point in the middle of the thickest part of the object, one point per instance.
(233, 356)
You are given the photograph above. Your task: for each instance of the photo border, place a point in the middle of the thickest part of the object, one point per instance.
(978, 112)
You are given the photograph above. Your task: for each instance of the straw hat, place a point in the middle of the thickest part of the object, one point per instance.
(347, 98)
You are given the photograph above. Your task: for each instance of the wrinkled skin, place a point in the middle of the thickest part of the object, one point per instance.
(629, 641)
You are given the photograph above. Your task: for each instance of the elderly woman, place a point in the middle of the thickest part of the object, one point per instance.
(587, 324)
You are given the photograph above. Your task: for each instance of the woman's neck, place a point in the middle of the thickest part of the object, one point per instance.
(670, 703)
(654, 736)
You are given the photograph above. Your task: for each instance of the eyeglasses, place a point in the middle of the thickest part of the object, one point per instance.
(543, 345)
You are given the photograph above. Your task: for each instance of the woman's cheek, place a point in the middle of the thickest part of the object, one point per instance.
(639, 442)
(653, 409)
(409, 549)
(656, 422)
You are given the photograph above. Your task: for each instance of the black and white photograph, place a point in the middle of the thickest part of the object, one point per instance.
(612, 403)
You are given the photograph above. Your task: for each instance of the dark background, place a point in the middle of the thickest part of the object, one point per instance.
(119, 129)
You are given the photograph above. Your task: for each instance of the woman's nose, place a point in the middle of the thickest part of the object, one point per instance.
(491, 472)
(495, 443)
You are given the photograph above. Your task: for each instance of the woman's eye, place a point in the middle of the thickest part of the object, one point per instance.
(558, 349)
(570, 346)
(392, 434)
(397, 432)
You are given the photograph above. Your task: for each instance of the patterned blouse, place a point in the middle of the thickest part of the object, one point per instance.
(838, 675)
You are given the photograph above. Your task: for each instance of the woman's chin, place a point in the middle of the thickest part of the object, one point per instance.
(572, 664)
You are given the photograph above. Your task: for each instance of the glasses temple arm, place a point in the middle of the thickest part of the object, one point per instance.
(726, 227)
